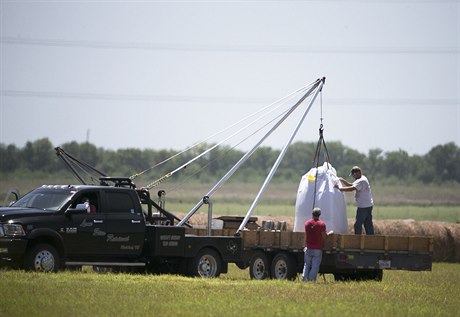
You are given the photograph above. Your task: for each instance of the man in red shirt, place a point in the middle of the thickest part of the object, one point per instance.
(315, 230)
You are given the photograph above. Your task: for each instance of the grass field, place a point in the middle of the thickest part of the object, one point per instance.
(401, 293)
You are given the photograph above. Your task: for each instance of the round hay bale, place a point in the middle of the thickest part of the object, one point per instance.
(446, 236)
(453, 231)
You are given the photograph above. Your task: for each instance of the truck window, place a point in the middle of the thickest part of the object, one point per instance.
(120, 202)
(46, 199)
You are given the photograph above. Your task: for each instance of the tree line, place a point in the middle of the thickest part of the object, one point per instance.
(38, 158)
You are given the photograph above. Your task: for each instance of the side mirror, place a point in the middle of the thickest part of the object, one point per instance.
(11, 191)
(79, 209)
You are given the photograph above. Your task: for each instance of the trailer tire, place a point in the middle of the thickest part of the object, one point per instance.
(206, 263)
(283, 267)
(259, 266)
(42, 257)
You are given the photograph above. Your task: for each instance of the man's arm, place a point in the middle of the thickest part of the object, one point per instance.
(345, 189)
(325, 234)
(345, 182)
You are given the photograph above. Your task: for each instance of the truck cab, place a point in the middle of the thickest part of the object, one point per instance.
(51, 225)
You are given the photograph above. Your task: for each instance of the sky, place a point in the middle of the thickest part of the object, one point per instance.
(168, 74)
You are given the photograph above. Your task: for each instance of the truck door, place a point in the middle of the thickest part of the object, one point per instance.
(83, 232)
(124, 223)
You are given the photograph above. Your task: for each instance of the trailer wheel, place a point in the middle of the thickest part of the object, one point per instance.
(259, 266)
(42, 258)
(283, 267)
(206, 263)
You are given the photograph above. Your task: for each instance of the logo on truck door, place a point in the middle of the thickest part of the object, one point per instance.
(232, 247)
(86, 223)
(114, 238)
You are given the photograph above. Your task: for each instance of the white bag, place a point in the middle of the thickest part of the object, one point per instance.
(330, 200)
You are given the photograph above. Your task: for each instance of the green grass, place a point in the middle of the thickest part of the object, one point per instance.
(401, 293)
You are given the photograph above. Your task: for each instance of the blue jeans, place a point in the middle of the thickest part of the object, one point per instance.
(364, 216)
(312, 258)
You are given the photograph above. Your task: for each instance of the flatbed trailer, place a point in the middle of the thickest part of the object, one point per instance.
(279, 254)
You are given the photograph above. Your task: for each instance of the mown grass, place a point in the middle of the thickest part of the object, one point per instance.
(401, 293)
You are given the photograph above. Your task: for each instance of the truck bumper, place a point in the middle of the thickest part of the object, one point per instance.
(12, 251)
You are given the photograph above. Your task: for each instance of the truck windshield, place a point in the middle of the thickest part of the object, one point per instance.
(51, 200)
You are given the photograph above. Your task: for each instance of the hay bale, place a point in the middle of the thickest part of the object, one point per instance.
(446, 236)
(453, 231)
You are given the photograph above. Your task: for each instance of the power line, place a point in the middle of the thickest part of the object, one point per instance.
(230, 48)
(210, 99)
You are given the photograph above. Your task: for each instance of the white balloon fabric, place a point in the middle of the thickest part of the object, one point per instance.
(330, 200)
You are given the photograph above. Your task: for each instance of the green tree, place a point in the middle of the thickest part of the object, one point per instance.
(9, 158)
(373, 163)
(445, 161)
(39, 155)
(397, 164)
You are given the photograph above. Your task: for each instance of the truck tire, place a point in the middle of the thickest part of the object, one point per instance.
(42, 258)
(259, 266)
(206, 263)
(283, 267)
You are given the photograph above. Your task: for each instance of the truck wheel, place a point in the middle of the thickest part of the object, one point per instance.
(259, 266)
(283, 267)
(206, 263)
(42, 258)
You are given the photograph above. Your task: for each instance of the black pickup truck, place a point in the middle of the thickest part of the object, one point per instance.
(52, 228)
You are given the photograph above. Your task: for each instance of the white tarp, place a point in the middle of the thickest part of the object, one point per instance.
(330, 200)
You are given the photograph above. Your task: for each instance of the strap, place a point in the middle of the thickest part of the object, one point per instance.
(316, 158)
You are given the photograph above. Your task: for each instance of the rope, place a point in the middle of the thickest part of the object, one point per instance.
(282, 100)
(215, 159)
(317, 155)
(251, 124)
